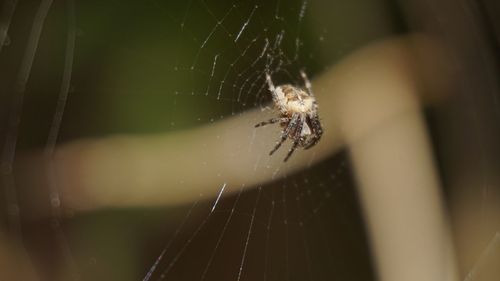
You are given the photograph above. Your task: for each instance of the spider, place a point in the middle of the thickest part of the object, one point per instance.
(298, 115)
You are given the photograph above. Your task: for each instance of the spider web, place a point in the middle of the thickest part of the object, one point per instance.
(78, 69)
(274, 232)
(146, 67)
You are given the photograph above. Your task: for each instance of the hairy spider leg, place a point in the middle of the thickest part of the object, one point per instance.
(270, 83)
(286, 132)
(272, 121)
(296, 138)
(318, 132)
(307, 83)
(272, 89)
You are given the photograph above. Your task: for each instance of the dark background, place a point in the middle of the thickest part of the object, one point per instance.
(131, 76)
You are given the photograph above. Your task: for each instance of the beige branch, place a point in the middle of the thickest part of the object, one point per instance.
(370, 102)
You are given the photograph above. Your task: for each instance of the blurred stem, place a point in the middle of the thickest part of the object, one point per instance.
(370, 102)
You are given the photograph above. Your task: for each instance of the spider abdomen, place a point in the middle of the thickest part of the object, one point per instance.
(300, 106)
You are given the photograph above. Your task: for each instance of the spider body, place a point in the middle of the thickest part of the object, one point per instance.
(298, 115)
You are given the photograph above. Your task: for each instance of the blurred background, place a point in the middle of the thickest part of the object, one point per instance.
(72, 70)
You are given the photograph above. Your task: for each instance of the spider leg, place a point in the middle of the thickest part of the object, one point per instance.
(285, 133)
(270, 83)
(292, 149)
(307, 83)
(271, 121)
(296, 139)
(318, 132)
(276, 92)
